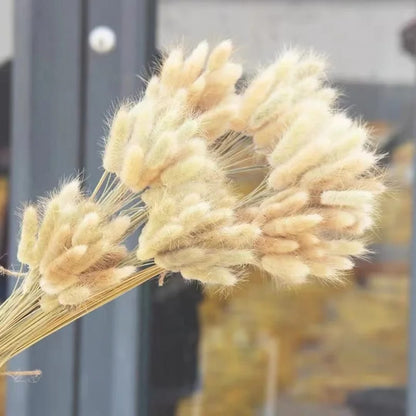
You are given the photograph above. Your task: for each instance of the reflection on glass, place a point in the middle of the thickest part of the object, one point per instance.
(317, 350)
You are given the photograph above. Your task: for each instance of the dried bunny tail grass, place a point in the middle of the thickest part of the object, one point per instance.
(116, 256)
(220, 84)
(254, 95)
(338, 219)
(287, 174)
(266, 137)
(317, 150)
(203, 75)
(171, 70)
(41, 315)
(194, 64)
(276, 245)
(142, 120)
(217, 121)
(132, 166)
(279, 88)
(170, 164)
(187, 170)
(75, 234)
(300, 132)
(314, 150)
(239, 235)
(327, 181)
(214, 276)
(71, 243)
(344, 247)
(69, 193)
(220, 55)
(48, 303)
(117, 228)
(26, 250)
(147, 154)
(269, 110)
(87, 231)
(289, 206)
(75, 295)
(58, 274)
(192, 224)
(291, 225)
(161, 150)
(191, 96)
(351, 166)
(119, 132)
(101, 279)
(325, 272)
(47, 226)
(57, 245)
(352, 198)
(286, 268)
(149, 245)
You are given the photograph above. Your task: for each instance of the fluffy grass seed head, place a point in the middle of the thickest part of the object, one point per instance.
(322, 178)
(73, 239)
(171, 163)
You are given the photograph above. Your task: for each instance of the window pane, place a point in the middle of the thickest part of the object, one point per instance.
(318, 349)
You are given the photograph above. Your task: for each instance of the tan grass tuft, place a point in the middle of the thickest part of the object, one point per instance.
(171, 168)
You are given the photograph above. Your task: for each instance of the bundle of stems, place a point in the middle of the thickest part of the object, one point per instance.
(171, 164)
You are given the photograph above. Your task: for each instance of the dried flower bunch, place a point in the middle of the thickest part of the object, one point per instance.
(75, 251)
(171, 165)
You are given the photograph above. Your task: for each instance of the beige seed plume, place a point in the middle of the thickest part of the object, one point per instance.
(26, 250)
(319, 157)
(172, 164)
(116, 141)
(73, 237)
(320, 163)
(201, 236)
(190, 96)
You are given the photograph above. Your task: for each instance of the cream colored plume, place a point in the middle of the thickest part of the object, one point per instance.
(289, 88)
(74, 251)
(192, 97)
(322, 179)
(192, 226)
(172, 164)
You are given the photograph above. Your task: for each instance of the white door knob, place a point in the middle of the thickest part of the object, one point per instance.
(102, 39)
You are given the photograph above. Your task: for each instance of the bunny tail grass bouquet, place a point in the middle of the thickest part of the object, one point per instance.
(171, 165)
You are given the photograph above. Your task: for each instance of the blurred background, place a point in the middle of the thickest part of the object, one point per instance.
(179, 350)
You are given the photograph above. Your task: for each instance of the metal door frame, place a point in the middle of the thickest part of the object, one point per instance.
(62, 93)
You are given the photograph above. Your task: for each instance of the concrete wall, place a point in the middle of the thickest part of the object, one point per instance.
(361, 38)
(6, 29)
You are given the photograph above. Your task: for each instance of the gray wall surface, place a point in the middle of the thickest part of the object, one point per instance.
(360, 38)
(6, 29)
